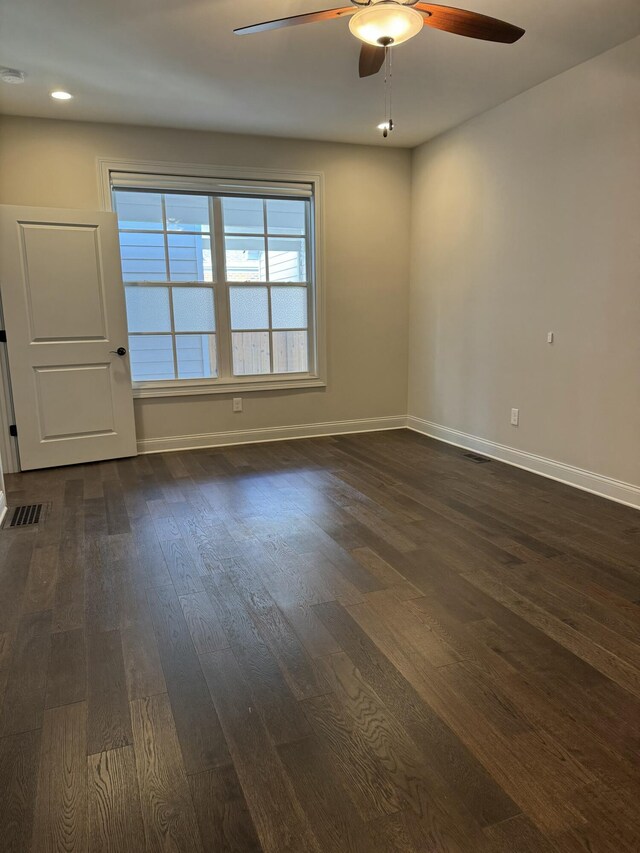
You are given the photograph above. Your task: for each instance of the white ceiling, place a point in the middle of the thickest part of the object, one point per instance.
(177, 63)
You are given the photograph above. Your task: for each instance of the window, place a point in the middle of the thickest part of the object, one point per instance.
(167, 268)
(219, 285)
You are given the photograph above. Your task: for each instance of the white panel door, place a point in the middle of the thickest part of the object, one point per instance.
(65, 318)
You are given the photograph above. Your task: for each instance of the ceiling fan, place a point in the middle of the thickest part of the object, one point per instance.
(382, 24)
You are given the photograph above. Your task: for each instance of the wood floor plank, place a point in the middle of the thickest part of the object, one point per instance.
(276, 812)
(19, 759)
(41, 583)
(114, 818)
(16, 559)
(109, 722)
(506, 760)
(304, 678)
(223, 817)
(6, 641)
(67, 672)
(518, 833)
(167, 809)
(386, 573)
(182, 568)
(103, 586)
(116, 511)
(150, 553)
(199, 732)
(273, 699)
(140, 652)
(60, 822)
(410, 629)
(435, 814)
(326, 802)
(372, 792)
(25, 692)
(484, 797)
(69, 604)
(614, 667)
(204, 626)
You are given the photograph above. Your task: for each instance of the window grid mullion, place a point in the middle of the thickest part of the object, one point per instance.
(165, 237)
(266, 241)
(255, 234)
(223, 308)
(173, 334)
(309, 274)
(206, 332)
(268, 279)
(174, 349)
(163, 283)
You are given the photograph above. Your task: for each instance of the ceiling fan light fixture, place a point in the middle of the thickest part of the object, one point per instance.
(378, 23)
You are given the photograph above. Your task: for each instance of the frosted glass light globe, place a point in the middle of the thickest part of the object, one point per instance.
(386, 20)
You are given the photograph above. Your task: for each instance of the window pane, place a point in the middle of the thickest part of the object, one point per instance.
(250, 353)
(245, 259)
(142, 257)
(289, 307)
(151, 357)
(196, 356)
(243, 215)
(193, 309)
(290, 352)
(148, 309)
(249, 308)
(187, 212)
(287, 260)
(139, 210)
(189, 257)
(285, 216)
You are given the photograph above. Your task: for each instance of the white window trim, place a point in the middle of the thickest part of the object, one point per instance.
(270, 382)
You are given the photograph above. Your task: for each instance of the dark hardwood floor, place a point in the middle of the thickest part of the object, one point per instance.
(366, 643)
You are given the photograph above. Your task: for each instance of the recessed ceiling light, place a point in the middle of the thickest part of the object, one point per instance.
(12, 75)
(60, 95)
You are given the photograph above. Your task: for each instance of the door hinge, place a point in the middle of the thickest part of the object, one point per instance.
(13, 430)
(3, 336)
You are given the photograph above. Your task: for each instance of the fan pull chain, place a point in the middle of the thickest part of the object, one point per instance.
(388, 122)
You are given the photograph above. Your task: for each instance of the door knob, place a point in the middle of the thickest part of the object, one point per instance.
(119, 351)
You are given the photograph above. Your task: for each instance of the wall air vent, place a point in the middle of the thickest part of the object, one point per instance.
(475, 458)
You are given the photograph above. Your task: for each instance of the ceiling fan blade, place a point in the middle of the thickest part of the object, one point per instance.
(469, 24)
(371, 59)
(309, 18)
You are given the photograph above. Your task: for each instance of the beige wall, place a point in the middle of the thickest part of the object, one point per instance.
(524, 220)
(527, 220)
(367, 204)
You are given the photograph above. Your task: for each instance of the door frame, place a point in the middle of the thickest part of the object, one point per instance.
(8, 443)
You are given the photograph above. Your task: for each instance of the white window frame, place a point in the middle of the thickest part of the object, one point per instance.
(191, 177)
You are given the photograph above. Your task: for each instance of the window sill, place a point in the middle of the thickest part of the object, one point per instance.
(225, 386)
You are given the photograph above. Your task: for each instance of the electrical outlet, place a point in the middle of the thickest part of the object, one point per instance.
(549, 337)
(515, 417)
(237, 404)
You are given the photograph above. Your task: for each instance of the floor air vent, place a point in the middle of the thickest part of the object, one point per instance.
(23, 516)
(475, 458)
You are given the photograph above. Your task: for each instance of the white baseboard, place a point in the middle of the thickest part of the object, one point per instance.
(615, 490)
(3, 506)
(606, 487)
(250, 436)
